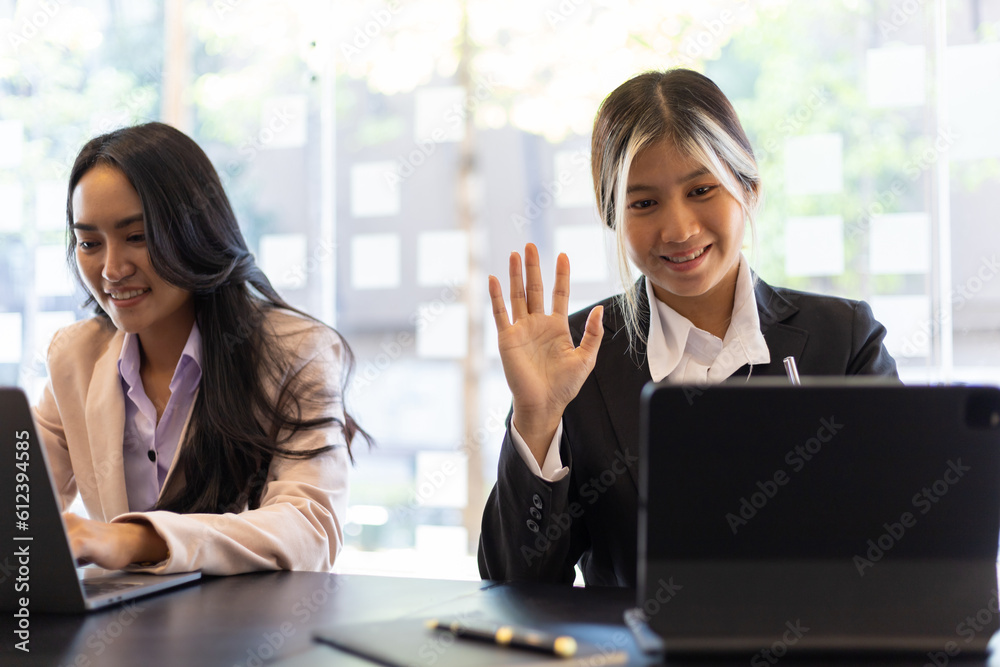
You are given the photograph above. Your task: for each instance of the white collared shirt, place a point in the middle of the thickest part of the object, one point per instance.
(681, 353)
(684, 354)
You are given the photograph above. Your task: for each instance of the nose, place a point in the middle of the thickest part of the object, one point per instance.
(679, 223)
(118, 264)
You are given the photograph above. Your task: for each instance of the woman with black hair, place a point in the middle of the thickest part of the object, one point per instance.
(199, 416)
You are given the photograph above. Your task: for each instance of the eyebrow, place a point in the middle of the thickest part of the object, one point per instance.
(124, 222)
(701, 171)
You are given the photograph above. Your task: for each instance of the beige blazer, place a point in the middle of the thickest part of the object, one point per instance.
(299, 524)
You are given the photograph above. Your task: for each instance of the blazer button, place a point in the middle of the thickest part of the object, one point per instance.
(537, 501)
(532, 526)
(151, 455)
(535, 513)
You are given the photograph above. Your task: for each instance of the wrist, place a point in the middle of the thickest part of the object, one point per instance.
(536, 431)
(146, 547)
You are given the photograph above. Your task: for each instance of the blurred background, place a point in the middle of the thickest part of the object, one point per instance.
(385, 156)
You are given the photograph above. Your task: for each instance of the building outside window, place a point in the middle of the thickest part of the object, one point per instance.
(385, 157)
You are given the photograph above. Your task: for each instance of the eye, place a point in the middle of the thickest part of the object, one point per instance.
(643, 203)
(86, 245)
(702, 190)
(137, 238)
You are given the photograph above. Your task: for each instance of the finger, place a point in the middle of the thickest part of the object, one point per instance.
(560, 291)
(592, 334)
(533, 275)
(518, 307)
(499, 307)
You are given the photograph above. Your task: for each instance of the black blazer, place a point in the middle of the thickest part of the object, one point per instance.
(538, 530)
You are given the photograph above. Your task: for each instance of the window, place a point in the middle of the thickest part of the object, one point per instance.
(381, 171)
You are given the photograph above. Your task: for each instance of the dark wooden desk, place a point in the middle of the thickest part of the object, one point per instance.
(246, 620)
(268, 618)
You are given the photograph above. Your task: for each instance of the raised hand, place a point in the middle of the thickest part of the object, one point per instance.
(544, 370)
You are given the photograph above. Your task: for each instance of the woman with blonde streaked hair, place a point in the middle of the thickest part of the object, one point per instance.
(677, 182)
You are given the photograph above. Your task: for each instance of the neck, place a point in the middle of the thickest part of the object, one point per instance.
(160, 350)
(711, 311)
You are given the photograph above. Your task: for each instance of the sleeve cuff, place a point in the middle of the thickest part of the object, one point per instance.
(552, 469)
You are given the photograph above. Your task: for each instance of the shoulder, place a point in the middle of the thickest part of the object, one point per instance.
(84, 340)
(781, 304)
(78, 351)
(302, 337)
(837, 335)
(799, 297)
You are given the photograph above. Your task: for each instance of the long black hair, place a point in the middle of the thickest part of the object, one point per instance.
(194, 242)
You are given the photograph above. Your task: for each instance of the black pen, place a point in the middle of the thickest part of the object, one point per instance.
(506, 635)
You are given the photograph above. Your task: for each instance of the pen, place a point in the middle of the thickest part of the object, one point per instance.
(792, 370)
(506, 635)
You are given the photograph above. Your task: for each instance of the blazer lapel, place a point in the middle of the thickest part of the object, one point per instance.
(180, 445)
(782, 340)
(621, 373)
(106, 425)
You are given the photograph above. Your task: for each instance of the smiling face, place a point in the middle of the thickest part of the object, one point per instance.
(684, 231)
(113, 260)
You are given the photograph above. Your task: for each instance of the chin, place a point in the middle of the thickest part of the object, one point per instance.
(695, 287)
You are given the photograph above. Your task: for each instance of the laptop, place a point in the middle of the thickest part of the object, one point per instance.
(37, 569)
(835, 516)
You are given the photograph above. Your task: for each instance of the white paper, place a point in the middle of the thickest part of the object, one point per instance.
(11, 325)
(442, 258)
(585, 246)
(50, 205)
(52, 274)
(814, 164)
(375, 261)
(445, 331)
(573, 185)
(814, 246)
(283, 259)
(11, 206)
(11, 143)
(442, 479)
(900, 243)
(375, 189)
(896, 76)
(973, 97)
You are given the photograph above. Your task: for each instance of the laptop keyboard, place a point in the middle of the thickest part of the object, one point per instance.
(92, 587)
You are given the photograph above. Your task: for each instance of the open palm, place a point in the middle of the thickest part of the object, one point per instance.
(544, 369)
